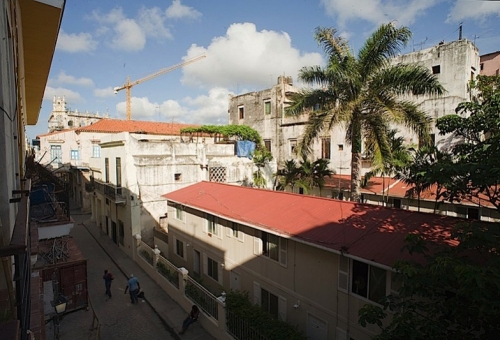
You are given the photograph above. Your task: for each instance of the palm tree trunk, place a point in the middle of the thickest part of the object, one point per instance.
(356, 161)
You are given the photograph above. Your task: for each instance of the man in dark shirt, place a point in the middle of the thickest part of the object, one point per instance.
(108, 278)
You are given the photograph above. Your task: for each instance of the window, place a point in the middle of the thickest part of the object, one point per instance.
(274, 247)
(96, 151)
(301, 191)
(436, 69)
(177, 177)
(468, 212)
(118, 172)
(241, 112)
(106, 169)
(213, 269)
(269, 302)
(121, 232)
(267, 144)
(368, 281)
(341, 147)
(75, 155)
(212, 225)
(396, 203)
(179, 248)
(267, 107)
(218, 174)
(316, 107)
(234, 231)
(481, 66)
(293, 146)
(325, 147)
(179, 212)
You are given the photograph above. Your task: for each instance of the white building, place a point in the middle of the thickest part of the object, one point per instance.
(62, 117)
(454, 63)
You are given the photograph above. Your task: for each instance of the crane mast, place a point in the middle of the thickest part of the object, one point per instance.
(129, 84)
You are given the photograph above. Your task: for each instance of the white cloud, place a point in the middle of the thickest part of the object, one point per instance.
(177, 11)
(75, 42)
(128, 36)
(477, 10)
(72, 97)
(377, 11)
(63, 78)
(104, 93)
(152, 22)
(245, 57)
(204, 109)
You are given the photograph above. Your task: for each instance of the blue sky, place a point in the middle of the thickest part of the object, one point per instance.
(247, 44)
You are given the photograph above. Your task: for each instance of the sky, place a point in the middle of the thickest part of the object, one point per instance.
(247, 45)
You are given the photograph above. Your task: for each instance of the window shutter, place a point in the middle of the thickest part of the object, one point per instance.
(205, 264)
(257, 243)
(282, 308)
(220, 271)
(283, 251)
(343, 273)
(256, 293)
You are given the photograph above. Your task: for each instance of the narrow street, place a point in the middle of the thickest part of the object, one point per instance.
(119, 319)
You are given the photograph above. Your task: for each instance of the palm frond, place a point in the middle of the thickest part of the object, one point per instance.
(409, 79)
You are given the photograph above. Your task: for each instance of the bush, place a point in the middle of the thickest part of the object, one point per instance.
(238, 304)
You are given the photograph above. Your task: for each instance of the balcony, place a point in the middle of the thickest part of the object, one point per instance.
(18, 308)
(111, 191)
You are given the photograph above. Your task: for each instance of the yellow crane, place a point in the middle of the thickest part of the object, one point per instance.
(128, 85)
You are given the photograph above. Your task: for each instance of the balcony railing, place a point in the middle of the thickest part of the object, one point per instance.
(111, 191)
(20, 248)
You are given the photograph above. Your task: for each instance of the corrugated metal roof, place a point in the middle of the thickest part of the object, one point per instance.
(366, 231)
(135, 126)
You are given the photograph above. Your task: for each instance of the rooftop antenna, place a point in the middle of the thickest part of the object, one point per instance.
(460, 31)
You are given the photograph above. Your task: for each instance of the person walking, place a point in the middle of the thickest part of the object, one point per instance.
(133, 287)
(108, 279)
(191, 318)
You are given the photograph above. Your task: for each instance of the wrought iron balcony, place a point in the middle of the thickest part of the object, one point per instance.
(111, 191)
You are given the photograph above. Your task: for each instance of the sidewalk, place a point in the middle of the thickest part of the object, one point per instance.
(167, 309)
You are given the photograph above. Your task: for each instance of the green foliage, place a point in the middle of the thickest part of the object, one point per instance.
(261, 156)
(171, 276)
(241, 132)
(363, 93)
(147, 256)
(287, 176)
(453, 292)
(238, 304)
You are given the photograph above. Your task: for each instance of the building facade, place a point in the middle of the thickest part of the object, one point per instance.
(62, 118)
(310, 261)
(29, 32)
(137, 166)
(454, 63)
(490, 64)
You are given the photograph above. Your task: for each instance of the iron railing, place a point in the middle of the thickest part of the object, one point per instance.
(111, 191)
(239, 328)
(203, 298)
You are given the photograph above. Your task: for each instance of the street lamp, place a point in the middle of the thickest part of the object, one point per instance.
(60, 302)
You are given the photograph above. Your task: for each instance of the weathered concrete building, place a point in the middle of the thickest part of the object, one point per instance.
(62, 118)
(454, 63)
(137, 166)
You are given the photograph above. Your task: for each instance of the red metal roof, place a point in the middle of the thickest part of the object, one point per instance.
(366, 231)
(135, 126)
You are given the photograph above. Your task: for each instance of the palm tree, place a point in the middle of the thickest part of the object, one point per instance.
(363, 93)
(320, 171)
(388, 167)
(288, 174)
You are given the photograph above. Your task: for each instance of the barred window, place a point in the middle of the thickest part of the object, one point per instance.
(218, 174)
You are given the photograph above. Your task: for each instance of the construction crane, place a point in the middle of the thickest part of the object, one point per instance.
(128, 85)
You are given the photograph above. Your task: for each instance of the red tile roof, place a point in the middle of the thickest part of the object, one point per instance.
(135, 126)
(397, 188)
(366, 231)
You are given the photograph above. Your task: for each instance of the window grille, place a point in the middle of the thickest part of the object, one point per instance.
(218, 174)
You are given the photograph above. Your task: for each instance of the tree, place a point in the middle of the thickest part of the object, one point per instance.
(388, 167)
(454, 293)
(261, 156)
(363, 93)
(310, 175)
(288, 174)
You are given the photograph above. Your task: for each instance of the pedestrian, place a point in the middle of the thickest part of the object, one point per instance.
(108, 278)
(133, 287)
(191, 318)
